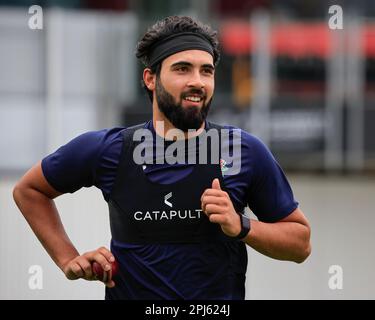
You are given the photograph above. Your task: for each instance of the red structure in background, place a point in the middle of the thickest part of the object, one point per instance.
(369, 40)
(294, 40)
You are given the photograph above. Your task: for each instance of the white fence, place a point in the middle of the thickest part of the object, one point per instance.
(74, 75)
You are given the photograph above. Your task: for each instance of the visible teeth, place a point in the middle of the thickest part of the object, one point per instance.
(194, 99)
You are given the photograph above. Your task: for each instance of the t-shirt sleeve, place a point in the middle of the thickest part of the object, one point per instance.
(270, 195)
(74, 165)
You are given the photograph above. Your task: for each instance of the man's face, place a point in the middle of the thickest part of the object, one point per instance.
(185, 88)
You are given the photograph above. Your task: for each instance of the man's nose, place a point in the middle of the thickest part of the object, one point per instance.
(196, 80)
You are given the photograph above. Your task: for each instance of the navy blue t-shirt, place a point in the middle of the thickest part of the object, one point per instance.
(92, 159)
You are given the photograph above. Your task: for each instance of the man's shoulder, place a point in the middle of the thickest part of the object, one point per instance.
(99, 138)
(92, 143)
(113, 138)
(106, 136)
(247, 138)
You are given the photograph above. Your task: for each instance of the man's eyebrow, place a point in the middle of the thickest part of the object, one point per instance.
(181, 63)
(188, 64)
(208, 65)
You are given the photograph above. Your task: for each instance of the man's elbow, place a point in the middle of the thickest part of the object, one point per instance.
(305, 245)
(17, 191)
(304, 253)
(21, 192)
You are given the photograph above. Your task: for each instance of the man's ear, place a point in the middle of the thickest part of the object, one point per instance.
(149, 79)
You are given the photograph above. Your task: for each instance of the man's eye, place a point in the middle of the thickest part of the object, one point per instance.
(182, 69)
(208, 71)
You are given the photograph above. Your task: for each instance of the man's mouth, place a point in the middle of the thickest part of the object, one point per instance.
(193, 98)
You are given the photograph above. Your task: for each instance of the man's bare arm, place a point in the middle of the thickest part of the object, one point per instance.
(287, 239)
(34, 197)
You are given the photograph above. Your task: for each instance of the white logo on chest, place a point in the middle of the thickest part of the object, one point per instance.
(166, 198)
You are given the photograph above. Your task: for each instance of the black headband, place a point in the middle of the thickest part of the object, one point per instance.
(176, 43)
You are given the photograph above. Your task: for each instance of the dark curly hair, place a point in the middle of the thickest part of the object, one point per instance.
(166, 27)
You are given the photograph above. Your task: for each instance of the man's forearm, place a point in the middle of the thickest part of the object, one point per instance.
(280, 240)
(42, 216)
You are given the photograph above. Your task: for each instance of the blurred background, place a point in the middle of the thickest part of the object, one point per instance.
(307, 90)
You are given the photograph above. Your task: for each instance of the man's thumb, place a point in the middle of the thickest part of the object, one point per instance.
(216, 184)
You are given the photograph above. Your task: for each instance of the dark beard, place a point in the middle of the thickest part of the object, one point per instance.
(181, 118)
